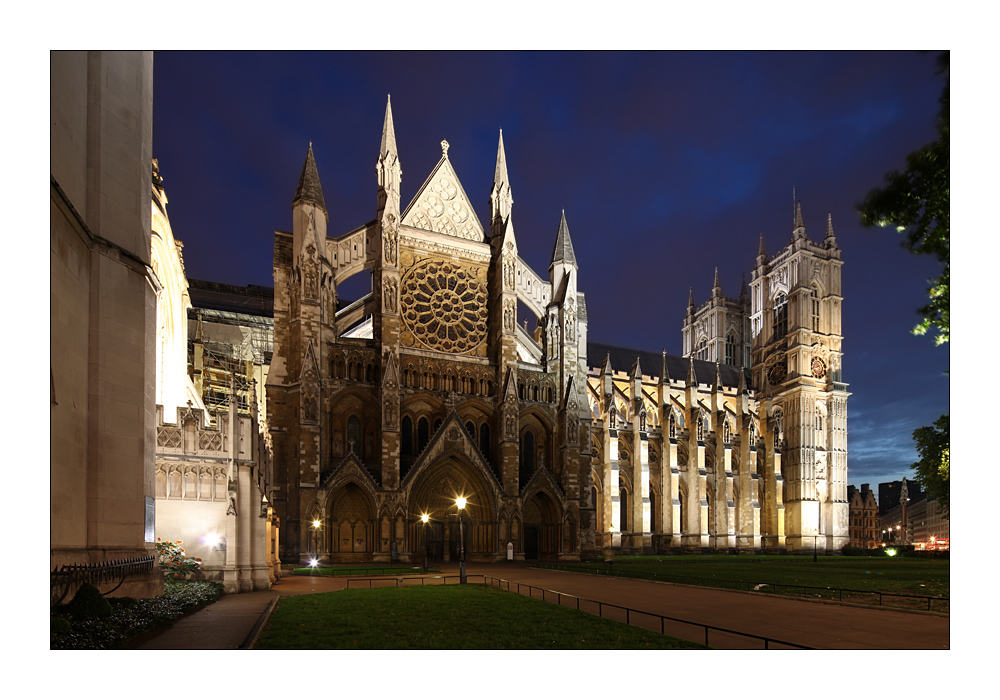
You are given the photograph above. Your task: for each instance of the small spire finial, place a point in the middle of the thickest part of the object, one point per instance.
(444, 148)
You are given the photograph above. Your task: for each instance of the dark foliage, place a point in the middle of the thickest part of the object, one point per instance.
(129, 617)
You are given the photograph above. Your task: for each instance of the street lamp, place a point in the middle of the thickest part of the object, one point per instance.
(316, 525)
(424, 518)
(460, 502)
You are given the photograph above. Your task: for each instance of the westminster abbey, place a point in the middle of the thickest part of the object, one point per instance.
(427, 390)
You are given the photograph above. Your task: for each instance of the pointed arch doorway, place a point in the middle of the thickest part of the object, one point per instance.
(444, 535)
(542, 527)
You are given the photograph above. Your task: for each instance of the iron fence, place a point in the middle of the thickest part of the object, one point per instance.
(933, 603)
(632, 616)
(69, 576)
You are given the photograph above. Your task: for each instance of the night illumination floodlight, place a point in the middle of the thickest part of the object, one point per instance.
(313, 563)
(890, 552)
(211, 540)
(316, 524)
(460, 502)
(424, 518)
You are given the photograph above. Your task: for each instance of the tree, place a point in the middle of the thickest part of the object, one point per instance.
(935, 460)
(916, 202)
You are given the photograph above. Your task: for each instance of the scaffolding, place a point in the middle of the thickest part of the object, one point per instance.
(221, 366)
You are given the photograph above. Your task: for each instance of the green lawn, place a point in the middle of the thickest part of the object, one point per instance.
(926, 577)
(445, 617)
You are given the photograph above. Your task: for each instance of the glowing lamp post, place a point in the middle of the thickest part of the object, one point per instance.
(460, 502)
(424, 518)
(316, 525)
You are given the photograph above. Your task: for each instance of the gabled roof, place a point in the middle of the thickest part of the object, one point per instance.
(441, 205)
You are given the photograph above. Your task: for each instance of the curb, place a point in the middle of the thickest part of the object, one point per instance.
(251, 638)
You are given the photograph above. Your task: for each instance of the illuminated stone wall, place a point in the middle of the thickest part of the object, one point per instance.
(103, 312)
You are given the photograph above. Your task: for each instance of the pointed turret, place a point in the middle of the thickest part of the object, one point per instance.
(664, 374)
(799, 230)
(563, 252)
(501, 200)
(309, 189)
(388, 131)
(716, 287)
(692, 378)
(691, 302)
(830, 239)
(390, 174)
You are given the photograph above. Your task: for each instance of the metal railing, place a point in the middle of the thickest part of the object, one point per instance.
(68, 576)
(853, 595)
(632, 616)
(349, 571)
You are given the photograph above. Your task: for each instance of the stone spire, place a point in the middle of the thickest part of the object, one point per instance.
(800, 229)
(390, 173)
(664, 374)
(309, 189)
(691, 301)
(716, 287)
(563, 252)
(501, 200)
(388, 131)
(830, 239)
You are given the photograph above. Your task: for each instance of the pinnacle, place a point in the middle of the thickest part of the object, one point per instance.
(563, 251)
(309, 189)
(500, 174)
(388, 131)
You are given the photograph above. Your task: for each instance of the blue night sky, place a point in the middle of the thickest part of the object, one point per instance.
(667, 164)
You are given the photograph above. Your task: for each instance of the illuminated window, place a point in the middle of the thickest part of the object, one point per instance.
(780, 326)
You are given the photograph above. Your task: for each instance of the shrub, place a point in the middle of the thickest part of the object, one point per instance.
(174, 561)
(88, 603)
(129, 617)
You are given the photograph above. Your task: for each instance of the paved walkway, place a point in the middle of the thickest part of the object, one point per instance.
(231, 622)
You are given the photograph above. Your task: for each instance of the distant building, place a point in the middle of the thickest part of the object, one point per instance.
(213, 449)
(916, 520)
(865, 521)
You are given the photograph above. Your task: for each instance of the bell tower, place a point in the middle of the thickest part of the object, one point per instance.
(796, 352)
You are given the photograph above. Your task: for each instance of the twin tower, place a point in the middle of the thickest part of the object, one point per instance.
(386, 411)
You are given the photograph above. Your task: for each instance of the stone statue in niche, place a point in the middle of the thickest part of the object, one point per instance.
(311, 280)
(390, 286)
(389, 240)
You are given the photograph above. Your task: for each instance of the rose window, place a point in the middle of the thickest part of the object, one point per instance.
(444, 307)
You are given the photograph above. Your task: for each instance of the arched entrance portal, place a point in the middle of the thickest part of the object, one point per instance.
(350, 536)
(434, 493)
(541, 527)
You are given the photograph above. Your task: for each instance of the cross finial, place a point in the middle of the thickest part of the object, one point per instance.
(444, 148)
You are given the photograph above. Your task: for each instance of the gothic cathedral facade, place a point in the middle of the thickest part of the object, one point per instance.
(427, 390)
